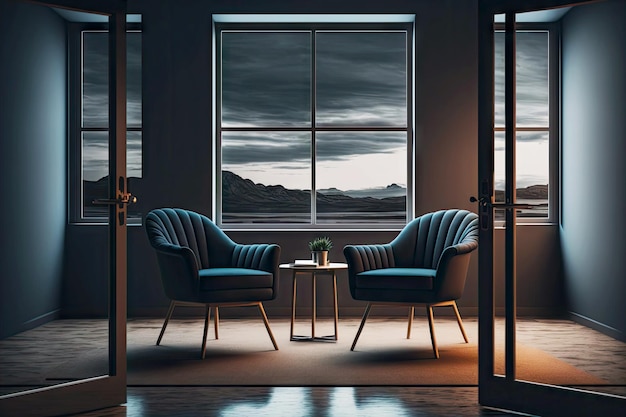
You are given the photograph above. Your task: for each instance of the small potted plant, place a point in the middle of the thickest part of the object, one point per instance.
(319, 248)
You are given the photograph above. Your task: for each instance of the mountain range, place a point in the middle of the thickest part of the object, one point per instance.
(533, 192)
(244, 196)
(240, 195)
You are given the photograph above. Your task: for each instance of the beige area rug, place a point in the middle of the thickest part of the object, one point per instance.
(243, 355)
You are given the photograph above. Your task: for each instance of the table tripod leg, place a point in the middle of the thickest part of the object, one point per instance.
(335, 305)
(293, 305)
(314, 314)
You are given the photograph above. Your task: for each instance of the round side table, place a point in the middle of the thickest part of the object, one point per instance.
(314, 270)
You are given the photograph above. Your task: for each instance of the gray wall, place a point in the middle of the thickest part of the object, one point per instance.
(594, 144)
(32, 164)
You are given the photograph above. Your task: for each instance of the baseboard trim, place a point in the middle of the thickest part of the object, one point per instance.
(596, 325)
(40, 320)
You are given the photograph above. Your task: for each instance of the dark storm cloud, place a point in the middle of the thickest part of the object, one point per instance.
(265, 79)
(261, 154)
(532, 78)
(343, 145)
(133, 79)
(361, 79)
(262, 147)
(280, 147)
(521, 137)
(96, 79)
(361, 74)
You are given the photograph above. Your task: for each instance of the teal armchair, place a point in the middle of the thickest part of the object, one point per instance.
(426, 264)
(200, 265)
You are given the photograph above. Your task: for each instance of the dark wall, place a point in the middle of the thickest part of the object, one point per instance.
(594, 145)
(32, 164)
(177, 152)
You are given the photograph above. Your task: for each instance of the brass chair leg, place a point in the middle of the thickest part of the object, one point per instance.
(216, 319)
(167, 319)
(358, 333)
(458, 319)
(207, 318)
(411, 314)
(431, 325)
(267, 325)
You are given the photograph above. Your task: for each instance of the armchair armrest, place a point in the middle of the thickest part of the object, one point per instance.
(362, 258)
(452, 269)
(464, 247)
(179, 271)
(262, 256)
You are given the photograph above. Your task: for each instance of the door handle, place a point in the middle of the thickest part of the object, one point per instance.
(484, 203)
(484, 211)
(123, 198)
(511, 206)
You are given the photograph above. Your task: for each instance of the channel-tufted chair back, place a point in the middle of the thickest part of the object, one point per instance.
(211, 246)
(424, 240)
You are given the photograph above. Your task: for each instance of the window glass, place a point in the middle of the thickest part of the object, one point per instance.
(279, 164)
(94, 119)
(266, 79)
(361, 78)
(274, 83)
(95, 80)
(532, 82)
(359, 179)
(532, 123)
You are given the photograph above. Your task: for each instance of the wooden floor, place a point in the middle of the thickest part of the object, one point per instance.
(582, 347)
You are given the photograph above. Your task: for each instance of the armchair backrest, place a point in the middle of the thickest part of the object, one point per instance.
(186, 241)
(172, 226)
(423, 240)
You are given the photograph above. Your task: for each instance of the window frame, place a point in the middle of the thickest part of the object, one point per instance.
(218, 27)
(554, 121)
(76, 130)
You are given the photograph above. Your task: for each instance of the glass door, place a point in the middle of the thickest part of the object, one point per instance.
(522, 366)
(82, 366)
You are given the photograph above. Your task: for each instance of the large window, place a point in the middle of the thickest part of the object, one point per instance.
(90, 121)
(313, 125)
(536, 122)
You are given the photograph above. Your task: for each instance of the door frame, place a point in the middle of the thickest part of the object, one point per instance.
(107, 390)
(505, 391)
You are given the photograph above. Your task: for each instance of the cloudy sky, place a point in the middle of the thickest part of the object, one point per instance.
(360, 83)
(95, 97)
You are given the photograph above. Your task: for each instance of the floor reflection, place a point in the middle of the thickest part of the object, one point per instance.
(299, 402)
(282, 401)
(343, 402)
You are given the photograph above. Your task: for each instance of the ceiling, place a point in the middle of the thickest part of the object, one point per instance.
(551, 15)
(83, 17)
(540, 16)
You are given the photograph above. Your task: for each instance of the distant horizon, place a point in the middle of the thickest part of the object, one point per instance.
(324, 189)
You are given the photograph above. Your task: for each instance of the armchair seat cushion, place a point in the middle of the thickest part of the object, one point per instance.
(220, 279)
(420, 279)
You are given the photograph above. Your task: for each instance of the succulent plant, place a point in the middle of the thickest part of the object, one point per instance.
(320, 244)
